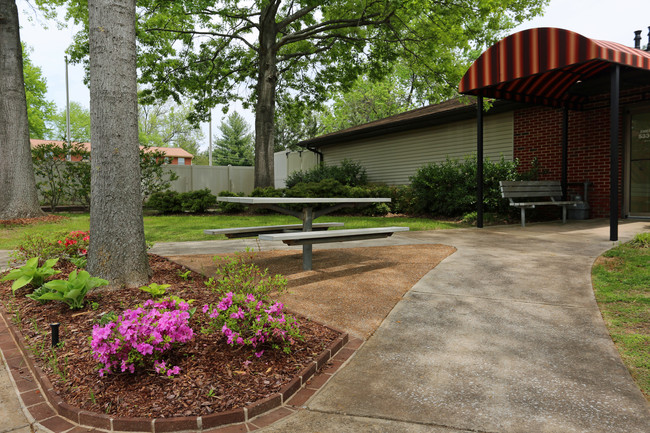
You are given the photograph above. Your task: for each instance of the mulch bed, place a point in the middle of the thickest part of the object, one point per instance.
(29, 221)
(214, 376)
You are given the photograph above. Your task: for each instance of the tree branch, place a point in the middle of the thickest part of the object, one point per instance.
(333, 25)
(209, 33)
(294, 17)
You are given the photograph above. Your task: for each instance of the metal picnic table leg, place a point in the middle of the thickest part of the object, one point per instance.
(307, 218)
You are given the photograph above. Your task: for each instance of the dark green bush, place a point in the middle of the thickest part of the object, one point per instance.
(449, 188)
(349, 173)
(197, 201)
(323, 188)
(175, 202)
(226, 207)
(165, 202)
(268, 192)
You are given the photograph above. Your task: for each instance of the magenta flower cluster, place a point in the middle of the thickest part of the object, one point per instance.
(247, 321)
(140, 335)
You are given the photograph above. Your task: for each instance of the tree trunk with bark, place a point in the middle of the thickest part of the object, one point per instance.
(266, 92)
(18, 195)
(117, 250)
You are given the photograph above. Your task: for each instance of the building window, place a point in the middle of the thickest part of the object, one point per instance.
(181, 161)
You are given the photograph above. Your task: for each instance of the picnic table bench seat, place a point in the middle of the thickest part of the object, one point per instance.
(243, 232)
(302, 238)
(550, 189)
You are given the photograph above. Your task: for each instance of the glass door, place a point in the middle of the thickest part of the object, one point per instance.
(639, 164)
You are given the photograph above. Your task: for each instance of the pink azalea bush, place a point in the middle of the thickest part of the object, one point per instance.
(140, 335)
(249, 321)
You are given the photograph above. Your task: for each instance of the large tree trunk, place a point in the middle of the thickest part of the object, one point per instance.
(117, 250)
(18, 196)
(265, 107)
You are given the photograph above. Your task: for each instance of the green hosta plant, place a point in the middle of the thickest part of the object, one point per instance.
(36, 294)
(31, 273)
(73, 290)
(155, 290)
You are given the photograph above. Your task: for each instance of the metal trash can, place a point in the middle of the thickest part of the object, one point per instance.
(579, 211)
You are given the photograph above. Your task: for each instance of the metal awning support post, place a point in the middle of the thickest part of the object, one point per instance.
(479, 161)
(613, 164)
(565, 151)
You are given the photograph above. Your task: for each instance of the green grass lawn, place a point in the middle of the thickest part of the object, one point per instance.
(174, 228)
(622, 284)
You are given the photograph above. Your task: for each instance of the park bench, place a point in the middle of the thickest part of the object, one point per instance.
(526, 190)
(243, 232)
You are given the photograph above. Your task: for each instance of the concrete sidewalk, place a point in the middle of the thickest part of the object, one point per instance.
(503, 336)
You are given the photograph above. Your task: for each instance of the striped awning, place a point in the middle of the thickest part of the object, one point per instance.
(539, 66)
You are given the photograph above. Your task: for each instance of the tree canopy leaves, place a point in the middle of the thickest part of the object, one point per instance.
(261, 51)
(39, 110)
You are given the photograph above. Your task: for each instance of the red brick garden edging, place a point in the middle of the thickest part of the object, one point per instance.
(46, 408)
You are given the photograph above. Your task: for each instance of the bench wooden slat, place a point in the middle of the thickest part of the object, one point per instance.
(241, 232)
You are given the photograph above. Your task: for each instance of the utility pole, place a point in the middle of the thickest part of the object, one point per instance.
(67, 103)
(210, 141)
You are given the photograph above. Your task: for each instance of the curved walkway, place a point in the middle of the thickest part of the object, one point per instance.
(503, 336)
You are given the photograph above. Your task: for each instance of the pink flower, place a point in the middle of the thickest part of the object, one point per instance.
(238, 315)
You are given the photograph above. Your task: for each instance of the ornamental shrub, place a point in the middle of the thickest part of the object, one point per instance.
(449, 188)
(138, 338)
(246, 320)
(349, 173)
(225, 207)
(43, 246)
(238, 274)
(197, 201)
(75, 244)
(165, 202)
(68, 246)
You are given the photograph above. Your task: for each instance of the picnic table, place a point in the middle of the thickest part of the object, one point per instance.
(307, 236)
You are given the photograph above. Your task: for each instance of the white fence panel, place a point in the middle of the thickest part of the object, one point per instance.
(215, 178)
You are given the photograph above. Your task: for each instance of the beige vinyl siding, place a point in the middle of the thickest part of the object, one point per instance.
(393, 158)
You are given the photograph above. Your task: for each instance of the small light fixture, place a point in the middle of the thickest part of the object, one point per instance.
(54, 327)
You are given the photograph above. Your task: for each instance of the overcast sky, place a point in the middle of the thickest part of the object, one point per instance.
(598, 19)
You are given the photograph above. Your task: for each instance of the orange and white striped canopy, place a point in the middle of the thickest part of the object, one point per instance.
(540, 65)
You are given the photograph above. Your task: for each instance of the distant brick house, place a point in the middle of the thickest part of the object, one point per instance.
(551, 104)
(174, 155)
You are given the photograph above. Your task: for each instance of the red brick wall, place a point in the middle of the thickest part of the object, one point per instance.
(174, 161)
(538, 134)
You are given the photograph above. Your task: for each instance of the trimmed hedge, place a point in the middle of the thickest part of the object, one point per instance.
(348, 173)
(225, 207)
(449, 188)
(174, 202)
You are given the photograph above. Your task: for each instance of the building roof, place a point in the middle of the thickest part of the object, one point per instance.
(551, 66)
(171, 152)
(34, 142)
(452, 110)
